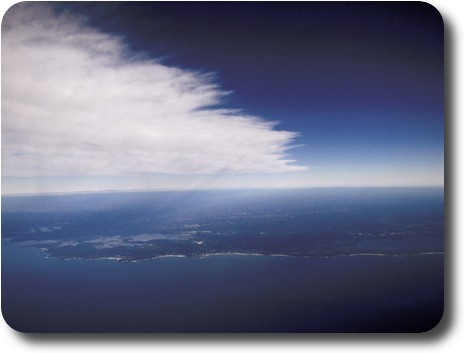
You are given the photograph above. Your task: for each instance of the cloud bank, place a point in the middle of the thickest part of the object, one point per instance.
(75, 101)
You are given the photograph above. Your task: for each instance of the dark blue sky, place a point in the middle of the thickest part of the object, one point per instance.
(303, 55)
(361, 82)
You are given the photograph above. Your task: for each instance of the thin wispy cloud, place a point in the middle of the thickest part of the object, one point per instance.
(76, 101)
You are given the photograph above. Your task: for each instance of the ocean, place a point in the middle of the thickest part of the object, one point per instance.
(379, 283)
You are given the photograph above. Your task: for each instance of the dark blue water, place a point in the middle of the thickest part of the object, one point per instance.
(222, 294)
(230, 293)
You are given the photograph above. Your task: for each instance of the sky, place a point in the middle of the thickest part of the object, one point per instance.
(167, 96)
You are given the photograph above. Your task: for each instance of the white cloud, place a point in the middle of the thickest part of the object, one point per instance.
(76, 102)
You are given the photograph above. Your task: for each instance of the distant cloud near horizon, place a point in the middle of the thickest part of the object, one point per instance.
(77, 102)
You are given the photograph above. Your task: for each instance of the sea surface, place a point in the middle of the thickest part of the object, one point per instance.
(316, 260)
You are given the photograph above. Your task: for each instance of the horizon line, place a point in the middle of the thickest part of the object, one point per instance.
(222, 189)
